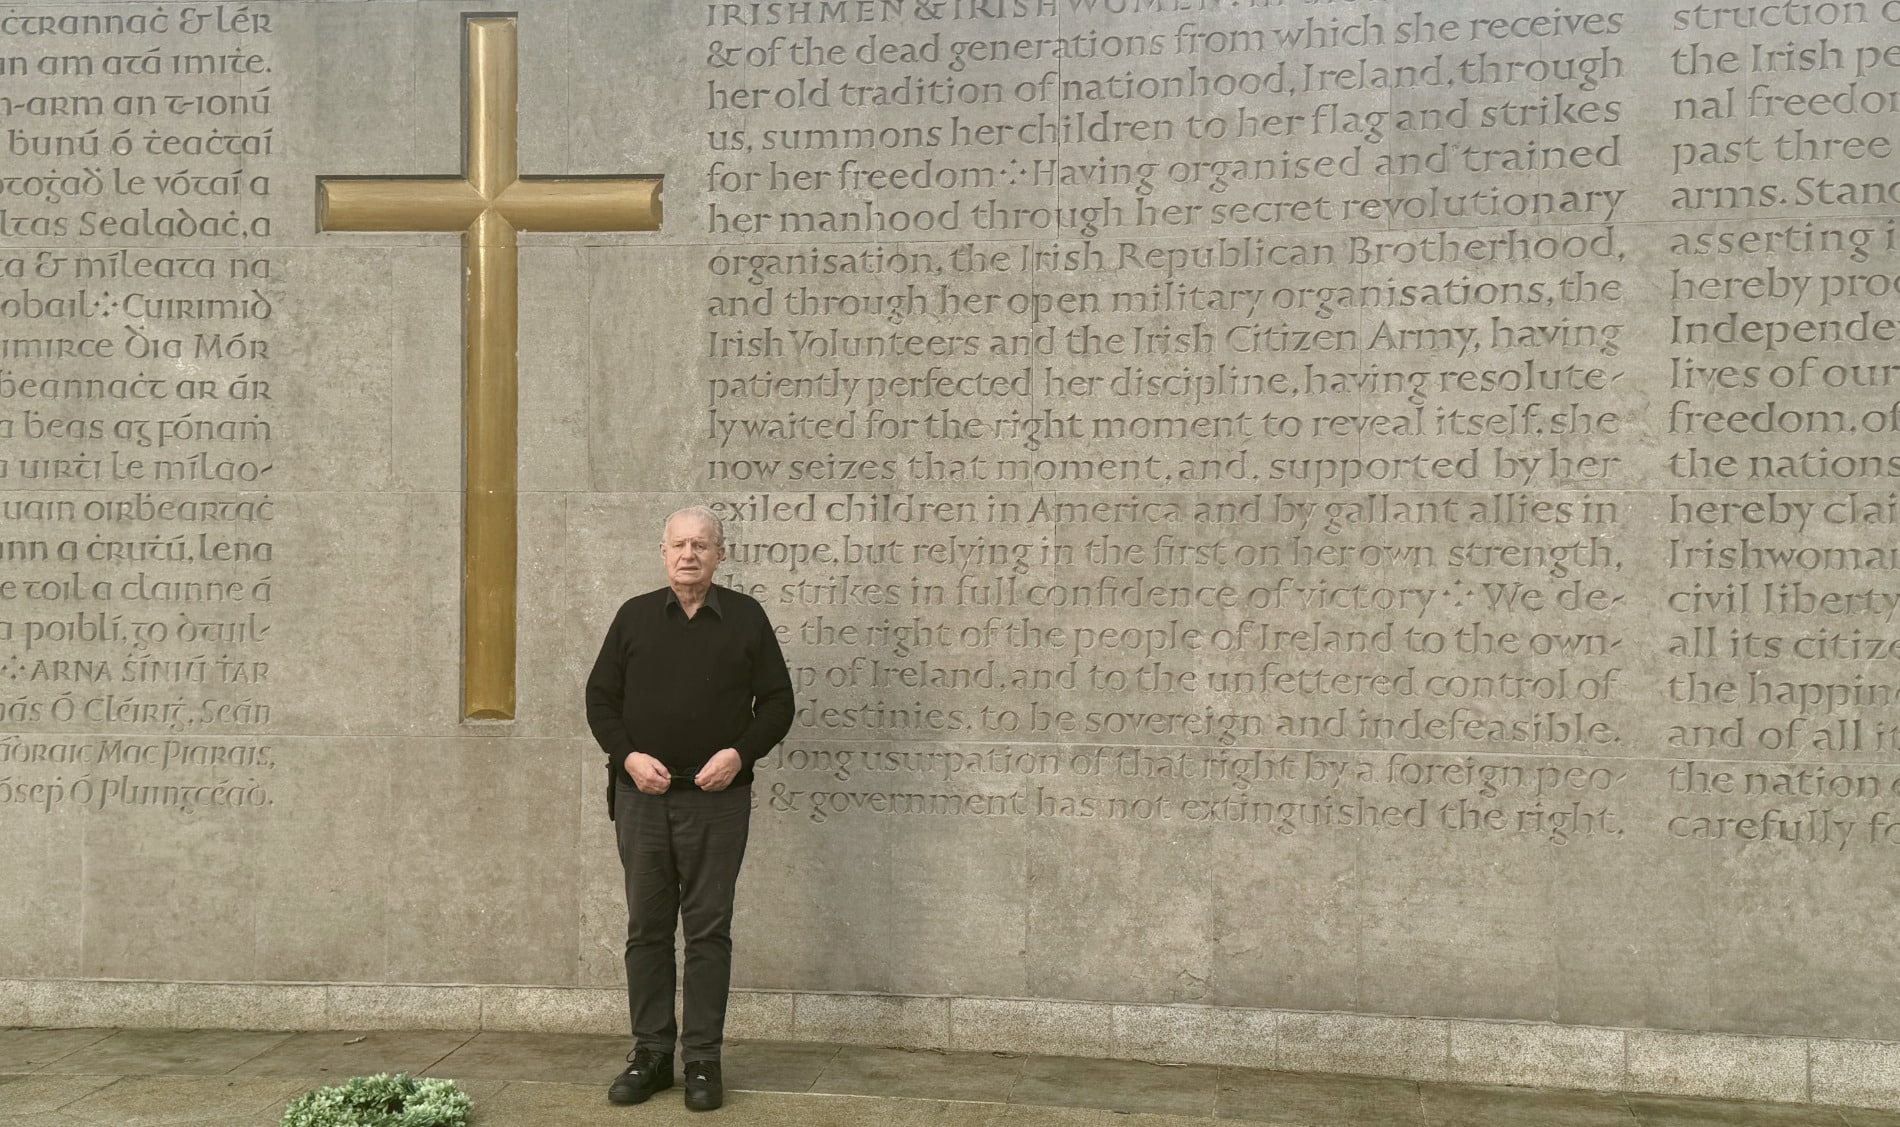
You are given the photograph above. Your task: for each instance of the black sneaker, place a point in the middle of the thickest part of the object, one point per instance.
(704, 1092)
(647, 1072)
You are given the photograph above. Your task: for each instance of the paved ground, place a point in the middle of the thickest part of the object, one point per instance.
(218, 1078)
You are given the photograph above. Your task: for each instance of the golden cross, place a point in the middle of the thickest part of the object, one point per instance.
(488, 204)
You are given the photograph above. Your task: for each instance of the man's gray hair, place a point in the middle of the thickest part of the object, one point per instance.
(698, 512)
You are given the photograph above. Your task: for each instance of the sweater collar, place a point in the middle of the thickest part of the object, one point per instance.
(711, 603)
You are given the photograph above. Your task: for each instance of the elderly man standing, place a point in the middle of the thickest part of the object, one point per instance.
(690, 690)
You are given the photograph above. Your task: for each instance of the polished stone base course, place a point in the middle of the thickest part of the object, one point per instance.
(1788, 1069)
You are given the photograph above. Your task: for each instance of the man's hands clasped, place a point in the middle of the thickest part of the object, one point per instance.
(652, 777)
(649, 774)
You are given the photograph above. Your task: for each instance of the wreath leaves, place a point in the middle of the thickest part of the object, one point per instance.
(381, 1101)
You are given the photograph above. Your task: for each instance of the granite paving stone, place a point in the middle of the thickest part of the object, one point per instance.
(542, 1105)
(1126, 1086)
(26, 1095)
(563, 1058)
(149, 1101)
(1042, 1115)
(775, 1066)
(162, 1078)
(27, 1050)
(921, 1074)
(1449, 1105)
(1318, 1100)
(1666, 1111)
(348, 1054)
(134, 1052)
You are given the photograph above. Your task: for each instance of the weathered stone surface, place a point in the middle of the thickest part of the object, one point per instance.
(1359, 523)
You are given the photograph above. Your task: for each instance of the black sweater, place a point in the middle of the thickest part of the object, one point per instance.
(682, 689)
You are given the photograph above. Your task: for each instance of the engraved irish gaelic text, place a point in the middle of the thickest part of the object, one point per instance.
(138, 411)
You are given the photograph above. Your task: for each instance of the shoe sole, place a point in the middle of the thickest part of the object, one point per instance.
(639, 1097)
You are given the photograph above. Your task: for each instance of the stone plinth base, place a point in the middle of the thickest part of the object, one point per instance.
(1795, 1069)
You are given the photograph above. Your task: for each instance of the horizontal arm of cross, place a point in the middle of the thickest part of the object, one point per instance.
(544, 203)
(378, 203)
(582, 203)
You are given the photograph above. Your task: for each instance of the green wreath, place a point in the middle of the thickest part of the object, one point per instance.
(381, 1101)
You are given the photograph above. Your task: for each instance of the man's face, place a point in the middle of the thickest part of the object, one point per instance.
(691, 551)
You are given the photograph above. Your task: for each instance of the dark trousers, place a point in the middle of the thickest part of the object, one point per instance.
(681, 852)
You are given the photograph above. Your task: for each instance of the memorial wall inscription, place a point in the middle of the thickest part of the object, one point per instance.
(137, 409)
(1314, 419)
(1311, 505)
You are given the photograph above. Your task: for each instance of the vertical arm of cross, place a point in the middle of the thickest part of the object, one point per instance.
(489, 489)
(490, 324)
(488, 157)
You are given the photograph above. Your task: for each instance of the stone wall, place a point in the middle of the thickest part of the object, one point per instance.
(1338, 534)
